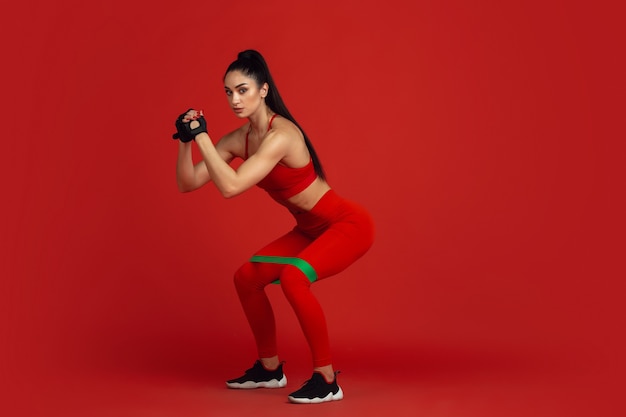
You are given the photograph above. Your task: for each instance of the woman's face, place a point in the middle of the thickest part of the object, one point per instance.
(244, 95)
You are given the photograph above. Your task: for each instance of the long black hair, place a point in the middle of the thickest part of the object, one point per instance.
(252, 64)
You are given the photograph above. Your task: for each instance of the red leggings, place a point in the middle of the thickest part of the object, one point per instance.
(330, 237)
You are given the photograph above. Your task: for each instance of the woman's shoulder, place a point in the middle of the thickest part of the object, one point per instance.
(284, 127)
(287, 137)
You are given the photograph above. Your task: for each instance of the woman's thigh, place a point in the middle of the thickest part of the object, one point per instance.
(287, 246)
(337, 248)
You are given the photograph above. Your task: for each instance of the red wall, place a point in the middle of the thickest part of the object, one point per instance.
(473, 131)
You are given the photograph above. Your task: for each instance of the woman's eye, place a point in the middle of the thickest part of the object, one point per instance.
(242, 91)
(229, 93)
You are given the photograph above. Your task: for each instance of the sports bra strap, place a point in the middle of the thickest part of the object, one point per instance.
(271, 120)
(248, 132)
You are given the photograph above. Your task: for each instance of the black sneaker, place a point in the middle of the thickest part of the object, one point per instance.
(317, 390)
(259, 377)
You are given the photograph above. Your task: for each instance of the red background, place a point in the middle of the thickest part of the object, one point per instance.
(479, 134)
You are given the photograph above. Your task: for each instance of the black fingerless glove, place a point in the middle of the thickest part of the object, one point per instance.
(184, 132)
(180, 129)
(201, 128)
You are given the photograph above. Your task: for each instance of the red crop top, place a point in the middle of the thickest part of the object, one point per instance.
(284, 182)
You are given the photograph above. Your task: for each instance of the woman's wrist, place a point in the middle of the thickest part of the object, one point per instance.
(203, 136)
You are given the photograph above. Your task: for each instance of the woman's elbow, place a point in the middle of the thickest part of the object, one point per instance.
(230, 191)
(185, 187)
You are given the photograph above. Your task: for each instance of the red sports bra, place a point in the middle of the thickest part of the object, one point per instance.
(284, 182)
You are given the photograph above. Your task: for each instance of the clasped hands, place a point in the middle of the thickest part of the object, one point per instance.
(188, 125)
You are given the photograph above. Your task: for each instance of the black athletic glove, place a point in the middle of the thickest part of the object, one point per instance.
(184, 132)
(180, 129)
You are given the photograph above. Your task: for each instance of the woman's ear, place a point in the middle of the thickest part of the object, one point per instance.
(264, 90)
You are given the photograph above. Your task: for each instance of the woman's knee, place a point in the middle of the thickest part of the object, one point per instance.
(293, 280)
(244, 277)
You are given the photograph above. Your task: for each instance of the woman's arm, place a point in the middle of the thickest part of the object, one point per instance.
(190, 177)
(231, 182)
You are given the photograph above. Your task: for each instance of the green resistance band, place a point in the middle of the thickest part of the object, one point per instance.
(301, 264)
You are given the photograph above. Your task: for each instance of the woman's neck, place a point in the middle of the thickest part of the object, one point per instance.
(260, 121)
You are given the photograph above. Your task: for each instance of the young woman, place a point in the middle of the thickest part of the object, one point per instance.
(330, 232)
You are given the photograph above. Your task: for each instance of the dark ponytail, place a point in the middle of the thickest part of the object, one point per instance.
(252, 64)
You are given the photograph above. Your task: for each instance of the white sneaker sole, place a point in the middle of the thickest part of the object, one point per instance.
(274, 383)
(330, 397)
